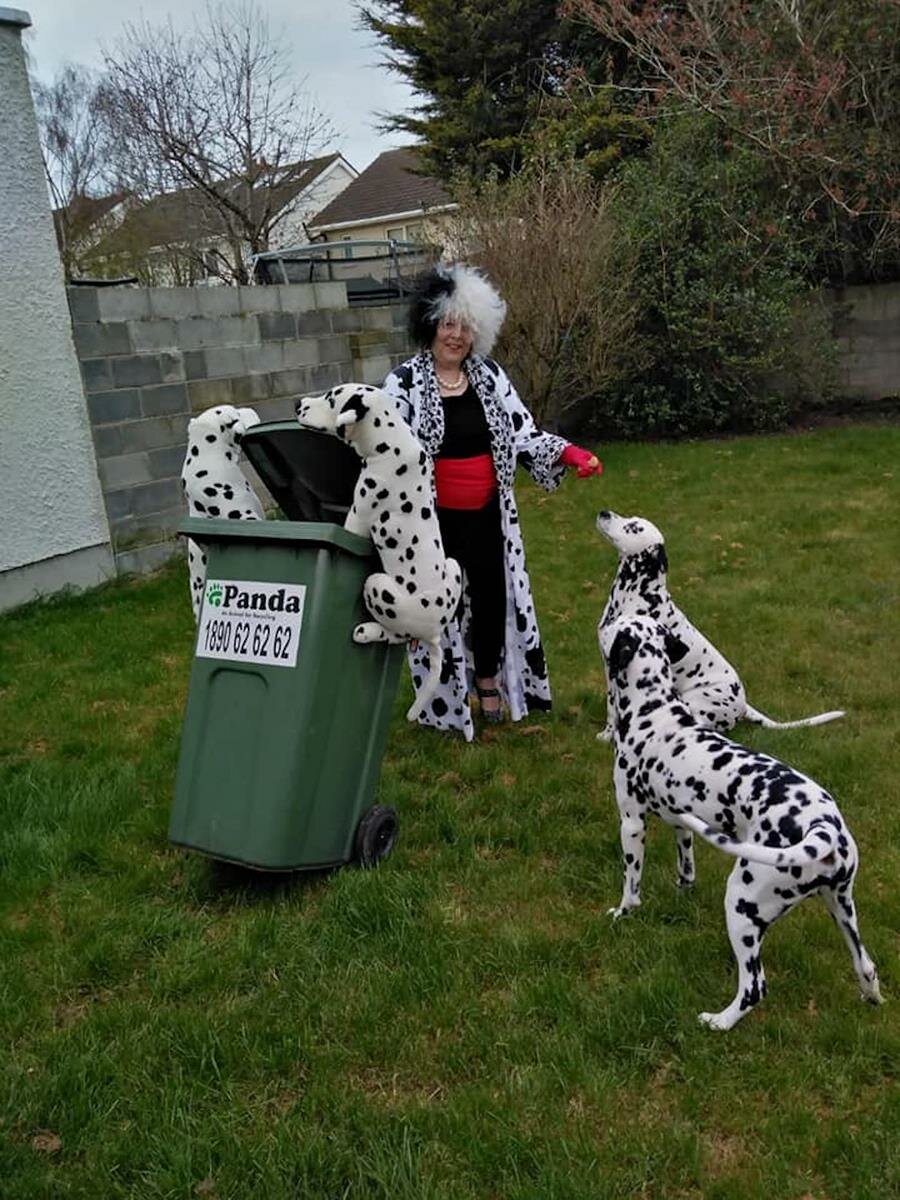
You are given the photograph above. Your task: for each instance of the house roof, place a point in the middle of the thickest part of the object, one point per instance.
(390, 185)
(85, 211)
(189, 215)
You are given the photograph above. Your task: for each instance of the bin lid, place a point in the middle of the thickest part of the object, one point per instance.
(221, 529)
(311, 475)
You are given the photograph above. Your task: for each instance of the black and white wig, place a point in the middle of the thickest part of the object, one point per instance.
(458, 292)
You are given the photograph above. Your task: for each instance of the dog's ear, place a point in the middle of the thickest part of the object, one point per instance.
(352, 410)
(676, 649)
(657, 560)
(622, 651)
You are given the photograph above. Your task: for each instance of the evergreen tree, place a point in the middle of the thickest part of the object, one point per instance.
(480, 68)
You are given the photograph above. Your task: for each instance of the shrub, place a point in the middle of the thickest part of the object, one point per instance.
(718, 286)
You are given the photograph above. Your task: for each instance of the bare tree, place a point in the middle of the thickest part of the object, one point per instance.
(71, 127)
(216, 118)
(546, 238)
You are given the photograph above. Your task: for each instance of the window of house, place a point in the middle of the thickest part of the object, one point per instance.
(398, 234)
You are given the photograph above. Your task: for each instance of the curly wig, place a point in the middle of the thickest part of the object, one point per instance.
(456, 291)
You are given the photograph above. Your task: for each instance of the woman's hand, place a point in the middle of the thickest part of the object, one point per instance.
(584, 461)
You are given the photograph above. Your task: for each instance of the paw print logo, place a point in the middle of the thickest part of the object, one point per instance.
(214, 594)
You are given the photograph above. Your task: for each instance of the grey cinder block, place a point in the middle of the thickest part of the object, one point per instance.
(136, 370)
(154, 432)
(167, 398)
(208, 393)
(194, 364)
(331, 295)
(260, 299)
(173, 303)
(348, 320)
(107, 440)
(328, 376)
(105, 407)
(144, 559)
(312, 324)
(124, 471)
(124, 303)
(118, 504)
(225, 361)
(334, 349)
(94, 341)
(83, 304)
(154, 497)
(218, 301)
(297, 297)
(304, 353)
(248, 390)
(166, 463)
(153, 335)
(96, 374)
(276, 326)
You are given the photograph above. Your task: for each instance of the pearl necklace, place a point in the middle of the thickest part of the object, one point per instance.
(448, 385)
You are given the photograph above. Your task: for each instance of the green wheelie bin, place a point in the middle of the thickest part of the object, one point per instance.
(287, 716)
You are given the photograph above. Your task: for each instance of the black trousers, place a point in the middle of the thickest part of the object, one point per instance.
(474, 537)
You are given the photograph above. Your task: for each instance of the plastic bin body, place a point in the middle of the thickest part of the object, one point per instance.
(278, 762)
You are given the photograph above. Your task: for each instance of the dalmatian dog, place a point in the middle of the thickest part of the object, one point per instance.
(417, 593)
(785, 830)
(213, 482)
(706, 681)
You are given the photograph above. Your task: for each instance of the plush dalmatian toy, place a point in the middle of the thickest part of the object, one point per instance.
(213, 481)
(417, 593)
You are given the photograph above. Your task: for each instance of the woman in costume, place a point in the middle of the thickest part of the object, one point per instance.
(466, 413)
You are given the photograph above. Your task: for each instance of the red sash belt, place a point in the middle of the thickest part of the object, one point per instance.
(464, 482)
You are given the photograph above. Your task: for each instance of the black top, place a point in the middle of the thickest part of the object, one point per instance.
(465, 426)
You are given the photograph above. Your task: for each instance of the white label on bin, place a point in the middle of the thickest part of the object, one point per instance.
(246, 621)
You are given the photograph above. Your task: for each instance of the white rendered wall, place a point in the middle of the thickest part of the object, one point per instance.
(53, 528)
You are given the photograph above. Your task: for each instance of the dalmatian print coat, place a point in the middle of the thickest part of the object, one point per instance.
(515, 439)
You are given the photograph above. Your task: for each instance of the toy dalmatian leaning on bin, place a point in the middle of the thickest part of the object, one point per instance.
(417, 593)
(212, 479)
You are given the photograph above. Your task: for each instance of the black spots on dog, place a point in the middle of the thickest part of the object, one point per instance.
(406, 507)
(722, 760)
(439, 707)
(199, 507)
(195, 450)
(402, 469)
(426, 514)
(676, 649)
(213, 510)
(382, 494)
(234, 514)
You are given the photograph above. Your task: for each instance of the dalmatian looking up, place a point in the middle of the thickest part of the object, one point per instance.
(705, 680)
(418, 591)
(785, 830)
(212, 479)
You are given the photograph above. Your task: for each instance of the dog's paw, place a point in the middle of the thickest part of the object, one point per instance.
(367, 632)
(605, 735)
(722, 1021)
(685, 884)
(872, 992)
(621, 911)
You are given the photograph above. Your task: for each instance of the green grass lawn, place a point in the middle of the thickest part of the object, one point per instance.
(464, 1023)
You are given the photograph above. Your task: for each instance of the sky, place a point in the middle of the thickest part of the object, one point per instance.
(340, 62)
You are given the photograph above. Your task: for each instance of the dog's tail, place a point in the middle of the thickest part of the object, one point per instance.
(429, 687)
(758, 718)
(816, 846)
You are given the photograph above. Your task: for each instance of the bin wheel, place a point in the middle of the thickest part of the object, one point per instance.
(375, 835)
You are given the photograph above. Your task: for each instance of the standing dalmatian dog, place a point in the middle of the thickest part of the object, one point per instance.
(705, 680)
(214, 484)
(416, 595)
(785, 830)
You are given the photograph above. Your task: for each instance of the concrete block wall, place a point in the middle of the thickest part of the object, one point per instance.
(151, 358)
(866, 324)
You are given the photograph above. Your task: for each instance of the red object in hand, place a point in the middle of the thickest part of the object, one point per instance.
(584, 462)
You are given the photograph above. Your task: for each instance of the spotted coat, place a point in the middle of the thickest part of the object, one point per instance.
(515, 439)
